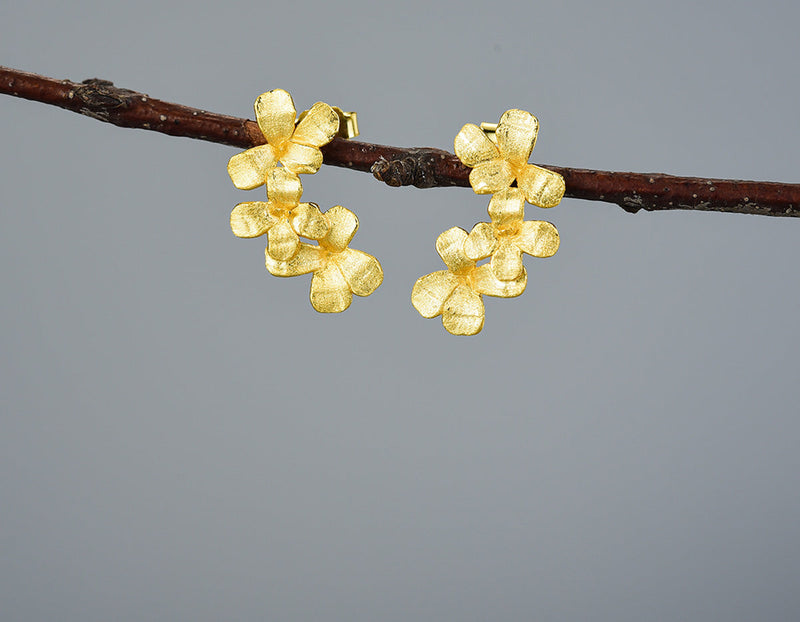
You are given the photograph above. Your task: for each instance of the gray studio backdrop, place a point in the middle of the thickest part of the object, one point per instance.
(183, 438)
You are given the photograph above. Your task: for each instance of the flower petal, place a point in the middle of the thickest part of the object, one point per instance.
(330, 292)
(317, 127)
(507, 262)
(491, 177)
(344, 225)
(516, 136)
(275, 113)
(537, 238)
(283, 242)
(463, 312)
(540, 186)
(309, 222)
(284, 187)
(250, 220)
(507, 207)
(450, 246)
(480, 242)
(301, 159)
(308, 259)
(431, 291)
(485, 282)
(473, 147)
(362, 271)
(248, 169)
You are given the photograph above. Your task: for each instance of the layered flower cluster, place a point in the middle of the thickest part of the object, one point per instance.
(455, 293)
(508, 235)
(282, 217)
(496, 165)
(296, 147)
(338, 271)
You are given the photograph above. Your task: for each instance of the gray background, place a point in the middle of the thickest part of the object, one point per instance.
(183, 438)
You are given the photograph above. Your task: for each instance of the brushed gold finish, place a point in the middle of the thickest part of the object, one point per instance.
(339, 271)
(499, 154)
(348, 122)
(294, 146)
(509, 235)
(282, 217)
(456, 293)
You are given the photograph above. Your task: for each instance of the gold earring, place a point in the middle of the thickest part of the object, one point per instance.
(293, 144)
(339, 271)
(498, 155)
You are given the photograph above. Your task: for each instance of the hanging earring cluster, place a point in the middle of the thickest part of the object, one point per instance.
(498, 155)
(338, 271)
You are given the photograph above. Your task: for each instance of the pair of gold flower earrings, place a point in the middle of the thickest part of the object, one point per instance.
(498, 155)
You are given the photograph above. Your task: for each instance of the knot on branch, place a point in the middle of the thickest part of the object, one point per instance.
(415, 168)
(101, 96)
(632, 204)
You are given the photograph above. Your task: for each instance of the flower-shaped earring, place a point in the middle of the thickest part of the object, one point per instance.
(339, 271)
(508, 236)
(498, 155)
(496, 166)
(297, 148)
(497, 162)
(455, 293)
(283, 218)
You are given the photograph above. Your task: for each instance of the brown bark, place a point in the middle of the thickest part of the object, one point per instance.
(396, 166)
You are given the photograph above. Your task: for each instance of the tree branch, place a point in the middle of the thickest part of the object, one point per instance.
(396, 166)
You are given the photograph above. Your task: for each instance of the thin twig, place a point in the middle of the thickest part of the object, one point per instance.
(421, 167)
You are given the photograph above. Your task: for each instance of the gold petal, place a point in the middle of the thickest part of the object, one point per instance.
(301, 159)
(463, 312)
(473, 147)
(480, 242)
(318, 127)
(431, 291)
(330, 292)
(450, 246)
(362, 271)
(507, 262)
(491, 177)
(284, 187)
(537, 238)
(540, 186)
(485, 282)
(516, 136)
(343, 226)
(250, 220)
(283, 242)
(308, 259)
(309, 222)
(248, 169)
(507, 207)
(275, 113)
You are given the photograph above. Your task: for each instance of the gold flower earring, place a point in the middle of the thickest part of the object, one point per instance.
(294, 145)
(338, 271)
(498, 155)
